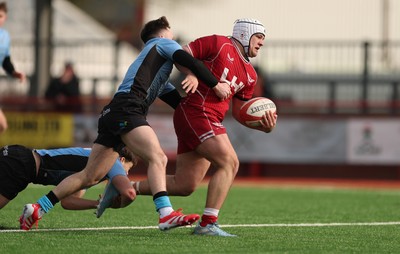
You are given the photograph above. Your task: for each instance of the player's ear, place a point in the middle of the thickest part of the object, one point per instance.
(122, 159)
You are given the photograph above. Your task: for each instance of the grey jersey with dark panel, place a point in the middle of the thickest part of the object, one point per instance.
(146, 78)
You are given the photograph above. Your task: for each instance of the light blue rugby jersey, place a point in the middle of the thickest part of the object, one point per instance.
(117, 168)
(147, 77)
(5, 42)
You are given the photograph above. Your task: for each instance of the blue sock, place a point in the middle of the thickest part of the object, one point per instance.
(45, 203)
(162, 202)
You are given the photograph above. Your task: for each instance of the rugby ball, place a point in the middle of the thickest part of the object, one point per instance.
(252, 111)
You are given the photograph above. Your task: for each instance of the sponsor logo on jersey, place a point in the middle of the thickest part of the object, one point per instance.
(250, 79)
(230, 59)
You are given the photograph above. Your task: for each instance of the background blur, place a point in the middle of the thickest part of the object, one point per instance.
(331, 66)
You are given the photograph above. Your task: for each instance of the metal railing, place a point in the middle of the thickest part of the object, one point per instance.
(319, 77)
(336, 94)
(331, 57)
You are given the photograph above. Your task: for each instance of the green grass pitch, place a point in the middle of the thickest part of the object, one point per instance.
(266, 220)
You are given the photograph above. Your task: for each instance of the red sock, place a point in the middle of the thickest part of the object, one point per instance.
(208, 219)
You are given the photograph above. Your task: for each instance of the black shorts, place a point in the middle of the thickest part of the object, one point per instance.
(54, 169)
(120, 116)
(17, 170)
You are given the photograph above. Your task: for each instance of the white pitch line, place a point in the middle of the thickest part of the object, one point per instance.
(318, 224)
(73, 229)
(336, 224)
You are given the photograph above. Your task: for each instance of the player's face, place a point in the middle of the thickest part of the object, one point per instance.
(256, 42)
(128, 165)
(3, 17)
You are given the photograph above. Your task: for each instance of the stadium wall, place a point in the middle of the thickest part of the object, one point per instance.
(328, 147)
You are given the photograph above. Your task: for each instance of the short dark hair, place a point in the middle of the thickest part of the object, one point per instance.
(3, 7)
(128, 155)
(153, 27)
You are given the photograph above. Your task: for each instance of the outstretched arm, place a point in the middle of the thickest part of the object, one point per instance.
(76, 202)
(121, 183)
(183, 58)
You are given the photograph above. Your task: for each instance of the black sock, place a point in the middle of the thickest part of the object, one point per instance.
(160, 194)
(52, 197)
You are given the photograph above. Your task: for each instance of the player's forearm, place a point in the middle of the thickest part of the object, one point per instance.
(197, 67)
(74, 203)
(8, 66)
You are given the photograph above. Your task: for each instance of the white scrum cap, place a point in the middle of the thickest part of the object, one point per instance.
(244, 28)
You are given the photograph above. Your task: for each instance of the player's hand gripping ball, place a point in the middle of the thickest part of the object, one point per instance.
(252, 111)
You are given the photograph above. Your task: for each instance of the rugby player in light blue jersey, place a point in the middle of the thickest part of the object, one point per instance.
(123, 123)
(5, 59)
(20, 166)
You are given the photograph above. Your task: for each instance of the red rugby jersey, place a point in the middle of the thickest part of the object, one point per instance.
(226, 62)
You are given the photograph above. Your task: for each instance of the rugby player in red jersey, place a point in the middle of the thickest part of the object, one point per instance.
(202, 138)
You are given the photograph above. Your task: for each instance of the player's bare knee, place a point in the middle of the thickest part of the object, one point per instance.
(187, 189)
(184, 192)
(159, 159)
(163, 159)
(183, 185)
(64, 205)
(235, 167)
(229, 163)
(92, 181)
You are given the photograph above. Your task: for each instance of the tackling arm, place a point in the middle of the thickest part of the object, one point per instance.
(197, 67)
(76, 202)
(222, 90)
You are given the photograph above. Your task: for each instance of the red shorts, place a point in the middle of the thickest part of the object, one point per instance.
(193, 126)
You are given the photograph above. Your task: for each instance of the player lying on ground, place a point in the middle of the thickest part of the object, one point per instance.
(20, 166)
